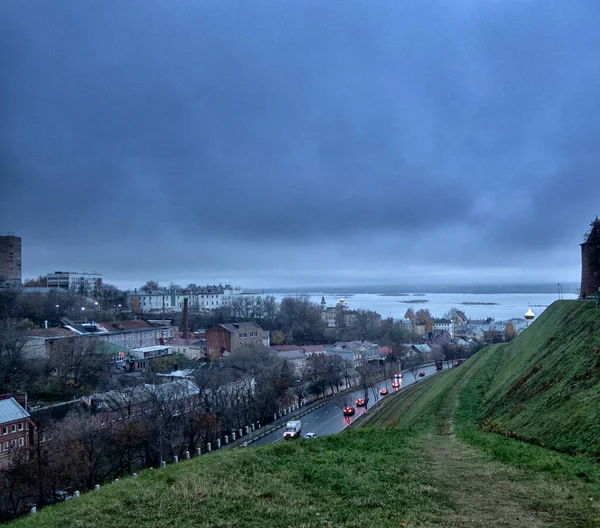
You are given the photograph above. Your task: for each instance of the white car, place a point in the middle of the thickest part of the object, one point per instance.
(310, 435)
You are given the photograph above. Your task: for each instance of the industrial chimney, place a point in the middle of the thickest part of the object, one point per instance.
(186, 329)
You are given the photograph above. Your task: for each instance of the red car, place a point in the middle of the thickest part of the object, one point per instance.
(421, 374)
(360, 402)
(395, 384)
(383, 392)
(348, 411)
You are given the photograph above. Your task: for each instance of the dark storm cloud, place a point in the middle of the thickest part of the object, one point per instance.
(306, 142)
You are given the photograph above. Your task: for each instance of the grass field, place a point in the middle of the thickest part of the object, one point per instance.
(444, 452)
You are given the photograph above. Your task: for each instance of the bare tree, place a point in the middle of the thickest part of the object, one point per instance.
(367, 376)
(77, 363)
(13, 337)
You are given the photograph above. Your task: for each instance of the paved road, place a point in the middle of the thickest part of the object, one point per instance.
(329, 419)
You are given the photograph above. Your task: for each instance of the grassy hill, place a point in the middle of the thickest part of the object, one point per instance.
(544, 387)
(432, 456)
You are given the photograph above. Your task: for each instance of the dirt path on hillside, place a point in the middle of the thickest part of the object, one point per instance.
(484, 493)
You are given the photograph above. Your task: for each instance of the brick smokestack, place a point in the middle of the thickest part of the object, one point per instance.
(590, 262)
(186, 329)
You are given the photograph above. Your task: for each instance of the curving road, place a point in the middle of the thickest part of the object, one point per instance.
(328, 419)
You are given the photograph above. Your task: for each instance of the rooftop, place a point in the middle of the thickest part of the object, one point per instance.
(11, 410)
(234, 327)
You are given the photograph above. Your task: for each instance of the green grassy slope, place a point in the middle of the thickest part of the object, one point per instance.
(544, 386)
(403, 467)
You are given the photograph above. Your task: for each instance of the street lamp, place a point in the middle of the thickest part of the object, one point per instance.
(83, 308)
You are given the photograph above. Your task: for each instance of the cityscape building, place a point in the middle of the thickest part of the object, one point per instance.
(10, 260)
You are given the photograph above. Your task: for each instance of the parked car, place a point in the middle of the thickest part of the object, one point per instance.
(421, 374)
(383, 392)
(310, 435)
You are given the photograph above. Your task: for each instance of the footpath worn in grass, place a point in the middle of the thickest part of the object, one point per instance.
(446, 452)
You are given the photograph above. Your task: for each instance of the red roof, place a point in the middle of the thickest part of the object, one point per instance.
(385, 351)
(285, 348)
(50, 332)
(314, 349)
(113, 326)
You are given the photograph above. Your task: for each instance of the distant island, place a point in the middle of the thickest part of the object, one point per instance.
(483, 303)
(393, 294)
(415, 301)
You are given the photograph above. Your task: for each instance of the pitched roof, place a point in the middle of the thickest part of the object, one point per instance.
(284, 348)
(353, 345)
(50, 332)
(314, 349)
(11, 410)
(234, 327)
(116, 326)
(291, 354)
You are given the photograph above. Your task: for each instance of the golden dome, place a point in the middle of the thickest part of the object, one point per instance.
(529, 314)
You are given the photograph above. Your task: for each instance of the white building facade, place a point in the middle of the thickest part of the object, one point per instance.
(87, 284)
(199, 299)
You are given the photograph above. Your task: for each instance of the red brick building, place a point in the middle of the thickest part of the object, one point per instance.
(15, 425)
(223, 338)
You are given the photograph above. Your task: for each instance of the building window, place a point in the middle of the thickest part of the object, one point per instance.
(5, 430)
(13, 428)
(253, 334)
(14, 443)
(5, 446)
(21, 426)
(21, 442)
(244, 335)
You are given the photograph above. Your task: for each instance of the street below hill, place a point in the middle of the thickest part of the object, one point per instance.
(328, 419)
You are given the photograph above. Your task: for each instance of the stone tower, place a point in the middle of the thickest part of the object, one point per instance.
(590, 262)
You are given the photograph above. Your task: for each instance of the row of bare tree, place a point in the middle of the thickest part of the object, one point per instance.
(120, 431)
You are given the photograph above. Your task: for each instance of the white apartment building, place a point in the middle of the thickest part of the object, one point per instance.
(203, 298)
(84, 283)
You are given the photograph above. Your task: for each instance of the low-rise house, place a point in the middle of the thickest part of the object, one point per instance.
(223, 338)
(296, 358)
(439, 337)
(113, 406)
(444, 324)
(359, 351)
(15, 427)
(126, 334)
(459, 318)
(423, 351)
(191, 348)
(139, 357)
(314, 350)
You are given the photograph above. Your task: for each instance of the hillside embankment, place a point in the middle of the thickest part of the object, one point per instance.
(441, 453)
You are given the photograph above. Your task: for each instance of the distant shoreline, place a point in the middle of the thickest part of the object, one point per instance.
(479, 303)
(415, 301)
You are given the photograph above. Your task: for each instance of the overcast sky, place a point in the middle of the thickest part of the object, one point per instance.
(301, 143)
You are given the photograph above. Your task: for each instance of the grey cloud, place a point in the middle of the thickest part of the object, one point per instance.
(192, 139)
